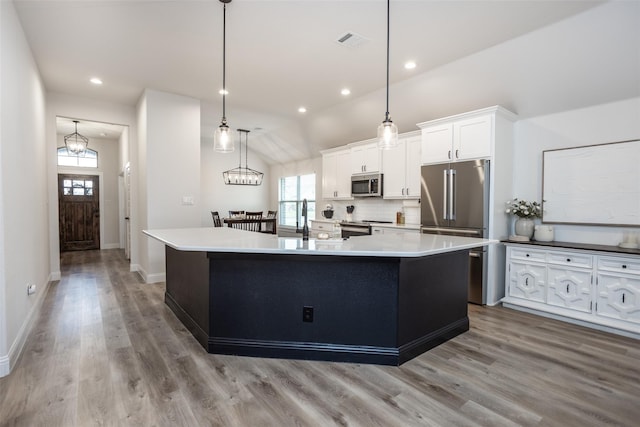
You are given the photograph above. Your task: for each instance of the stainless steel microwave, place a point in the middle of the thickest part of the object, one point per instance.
(369, 185)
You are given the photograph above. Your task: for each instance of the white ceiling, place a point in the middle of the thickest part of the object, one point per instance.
(532, 56)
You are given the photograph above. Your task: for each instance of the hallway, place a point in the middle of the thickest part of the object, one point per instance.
(107, 351)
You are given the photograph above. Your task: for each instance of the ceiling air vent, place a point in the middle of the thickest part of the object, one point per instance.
(351, 39)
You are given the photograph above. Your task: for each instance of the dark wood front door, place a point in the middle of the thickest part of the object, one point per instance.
(79, 212)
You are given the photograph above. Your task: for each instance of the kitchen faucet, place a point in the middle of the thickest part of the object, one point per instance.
(305, 227)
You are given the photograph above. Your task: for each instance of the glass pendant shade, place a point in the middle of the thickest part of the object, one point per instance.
(76, 144)
(387, 135)
(223, 139)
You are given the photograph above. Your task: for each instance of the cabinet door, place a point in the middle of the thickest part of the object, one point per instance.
(329, 172)
(343, 175)
(472, 138)
(412, 180)
(437, 143)
(365, 158)
(393, 163)
(569, 288)
(527, 281)
(618, 297)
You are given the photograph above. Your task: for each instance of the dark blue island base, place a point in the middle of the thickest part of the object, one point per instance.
(379, 310)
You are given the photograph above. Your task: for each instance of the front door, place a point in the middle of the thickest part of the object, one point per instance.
(79, 212)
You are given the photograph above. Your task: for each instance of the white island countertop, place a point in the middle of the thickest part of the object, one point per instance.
(224, 239)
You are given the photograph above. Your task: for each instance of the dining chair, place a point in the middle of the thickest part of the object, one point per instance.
(270, 227)
(216, 219)
(235, 213)
(253, 226)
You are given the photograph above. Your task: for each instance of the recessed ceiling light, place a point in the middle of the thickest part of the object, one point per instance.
(409, 65)
(223, 92)
(96, 81)
(302, 110)
(345, 91)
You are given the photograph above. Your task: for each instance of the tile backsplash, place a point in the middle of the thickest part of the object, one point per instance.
(374, 208)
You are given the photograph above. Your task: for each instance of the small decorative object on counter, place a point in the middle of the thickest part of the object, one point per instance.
(328, 212)
(526, 212)
(543, 233)
(400, 217)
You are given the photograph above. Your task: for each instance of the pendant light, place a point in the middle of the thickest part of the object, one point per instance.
(76, 144)
(387, 131)
(243, 175)
(222, 138)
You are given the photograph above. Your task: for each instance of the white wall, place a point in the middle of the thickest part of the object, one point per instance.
(217, 196)
(108, 153)
(617, 121)
(169, 160)
(85, 109)
(24, 249)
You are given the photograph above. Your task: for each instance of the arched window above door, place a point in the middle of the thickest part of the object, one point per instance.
(90, 159)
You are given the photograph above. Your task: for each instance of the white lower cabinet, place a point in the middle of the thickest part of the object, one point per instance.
(527, 281)
(618, 289)
(598, 289)
(569, 288)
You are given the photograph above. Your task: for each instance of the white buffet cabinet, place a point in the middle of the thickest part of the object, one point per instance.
(578, 283)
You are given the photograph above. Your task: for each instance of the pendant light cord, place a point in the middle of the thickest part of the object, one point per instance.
(224, 62)
(388, 10)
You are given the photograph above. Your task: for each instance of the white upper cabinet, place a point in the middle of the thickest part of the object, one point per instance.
(336, 174)
(462, 137)
(365, 158)
(401, 168)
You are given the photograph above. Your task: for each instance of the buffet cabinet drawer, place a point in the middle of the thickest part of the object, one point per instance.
(528, 255)
(619, 265)
(570, 259)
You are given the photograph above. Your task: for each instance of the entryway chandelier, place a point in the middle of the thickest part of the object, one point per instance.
(243, 175)
(76, 144)
(222, 138)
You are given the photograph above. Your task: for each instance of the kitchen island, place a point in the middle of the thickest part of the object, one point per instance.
(369, 299)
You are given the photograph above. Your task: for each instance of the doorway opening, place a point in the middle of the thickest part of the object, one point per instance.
(78, 212)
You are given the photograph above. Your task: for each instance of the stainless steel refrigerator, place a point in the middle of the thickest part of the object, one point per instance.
(455, 201)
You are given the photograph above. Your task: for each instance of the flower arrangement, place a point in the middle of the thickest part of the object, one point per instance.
(524, 209)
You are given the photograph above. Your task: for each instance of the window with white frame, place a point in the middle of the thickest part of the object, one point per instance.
(89, 160)
(291, 192)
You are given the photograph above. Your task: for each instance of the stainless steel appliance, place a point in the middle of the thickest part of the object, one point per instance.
(369, 185)
(455, 201)
(355, 229)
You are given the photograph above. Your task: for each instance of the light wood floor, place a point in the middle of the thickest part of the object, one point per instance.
(107, 351)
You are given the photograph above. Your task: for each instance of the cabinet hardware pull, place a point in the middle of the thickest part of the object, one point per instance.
(623, 298)
(567, 288)
(407, 191)
(457, 154)
(624, 266)
(568, 259)
(527, 255)
(449, 154)
(526, 281)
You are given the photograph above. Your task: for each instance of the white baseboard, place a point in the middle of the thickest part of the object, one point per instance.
(10, 360)
(150, 278)
(54, 276)
(110, 246)
(4, 366)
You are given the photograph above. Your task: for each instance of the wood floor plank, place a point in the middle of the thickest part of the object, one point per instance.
(106, 350)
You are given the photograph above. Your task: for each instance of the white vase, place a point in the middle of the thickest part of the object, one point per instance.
(524, 227)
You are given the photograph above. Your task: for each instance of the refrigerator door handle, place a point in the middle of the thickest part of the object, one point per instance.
(452, 194)
(445, 194)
